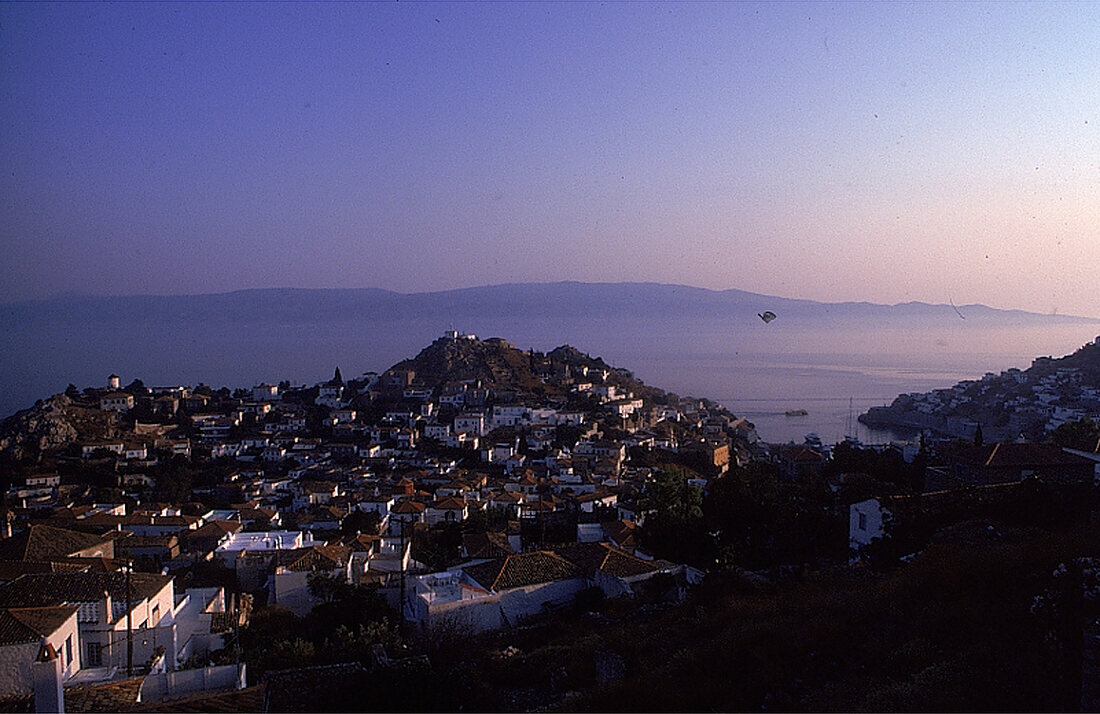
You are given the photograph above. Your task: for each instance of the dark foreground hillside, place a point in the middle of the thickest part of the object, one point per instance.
(982, 621)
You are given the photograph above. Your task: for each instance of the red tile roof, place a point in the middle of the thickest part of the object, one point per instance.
(520, 570)
(58, 588)
(450, 504)
(31, 624)
(487, 545)
(42, 542)
(603, 557)
(317, 557)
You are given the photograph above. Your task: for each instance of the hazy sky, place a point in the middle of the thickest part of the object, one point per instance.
(859, 151)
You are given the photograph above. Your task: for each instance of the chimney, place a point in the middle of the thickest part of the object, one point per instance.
(49, 696)
(106, 604)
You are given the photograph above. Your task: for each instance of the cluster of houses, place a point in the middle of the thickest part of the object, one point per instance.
(393, 455)
(409, 453)
(336, 481)
(1033, 402)
(75, 615)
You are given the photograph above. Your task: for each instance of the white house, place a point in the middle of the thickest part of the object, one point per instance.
(509, 415)
(330, 395)
(288, 586)
(136, 451)
(88, 450)
(866, 522)
(116, 402)
(102, 617)
(503, 592)
(470, 423)
(43, 481)
(437, 431)
(265, 541)
(265, 393)
(449, 509)
(24, 631)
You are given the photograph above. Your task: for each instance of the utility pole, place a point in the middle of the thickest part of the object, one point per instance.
(542, 524)
(237, 629)
(129, 623)
(401, 605)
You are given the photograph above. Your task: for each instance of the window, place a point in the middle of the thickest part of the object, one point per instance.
(95, 654)
(68, 650)
(863, 521)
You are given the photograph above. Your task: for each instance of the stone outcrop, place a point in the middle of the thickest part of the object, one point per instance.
(51, 425)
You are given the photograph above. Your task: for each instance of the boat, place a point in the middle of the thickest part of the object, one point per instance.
(850, 429)
(796, 412)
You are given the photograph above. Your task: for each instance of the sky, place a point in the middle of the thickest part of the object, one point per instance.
(886, 152)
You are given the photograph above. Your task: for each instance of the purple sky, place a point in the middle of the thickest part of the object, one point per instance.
(859, 151)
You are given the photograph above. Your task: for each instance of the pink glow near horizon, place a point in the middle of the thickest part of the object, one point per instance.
(879, 152)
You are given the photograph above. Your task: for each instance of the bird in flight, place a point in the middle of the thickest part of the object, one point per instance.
(767, 316)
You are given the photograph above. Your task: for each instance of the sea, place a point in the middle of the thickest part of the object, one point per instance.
(834, 370)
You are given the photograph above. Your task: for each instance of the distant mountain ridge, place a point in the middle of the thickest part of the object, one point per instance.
(536, 300)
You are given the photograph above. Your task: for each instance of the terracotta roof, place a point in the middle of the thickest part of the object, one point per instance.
(605, 558)
(538, 505)
(42, 542)
(258, 513)
(487, 545)
(134, 541)
(249, 699)
(215, 529)
(92, 565)
(517, 571)
(57, 588)
(360, 543)
(622, 532)
(12, 569)
(30, 624)
(451, 504)
(317, 557)
(409, 506)
(110, 697)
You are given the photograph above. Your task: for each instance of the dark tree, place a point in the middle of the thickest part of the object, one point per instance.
(360, 522)
(674, 529)
(1083, 435)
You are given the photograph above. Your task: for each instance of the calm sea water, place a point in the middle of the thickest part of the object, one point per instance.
(758, 371)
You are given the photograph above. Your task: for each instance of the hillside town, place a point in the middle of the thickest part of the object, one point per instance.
(1030, 403)
(162, 544)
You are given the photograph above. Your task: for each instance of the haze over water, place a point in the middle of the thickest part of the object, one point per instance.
(888, 152)
(757, 371)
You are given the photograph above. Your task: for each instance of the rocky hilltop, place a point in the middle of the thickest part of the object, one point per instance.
(493, 370)
(51, 425)
(1031, 402)
(498, 365)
